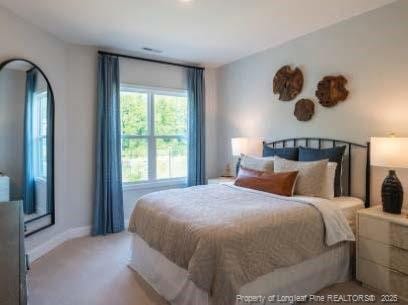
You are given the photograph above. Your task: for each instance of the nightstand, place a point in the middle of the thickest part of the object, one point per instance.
(382, 251)
(221, 180)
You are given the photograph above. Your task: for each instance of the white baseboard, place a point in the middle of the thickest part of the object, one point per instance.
(58, 240)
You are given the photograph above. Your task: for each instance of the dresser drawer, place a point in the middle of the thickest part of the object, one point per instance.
(399, 236)
(373, 228)
(382, 278)
(399, 284)
(389, 256)
(383, 231)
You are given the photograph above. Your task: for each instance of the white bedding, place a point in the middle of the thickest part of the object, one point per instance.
(349, 207)
(337, 226)
(228, 236)
(172, 282)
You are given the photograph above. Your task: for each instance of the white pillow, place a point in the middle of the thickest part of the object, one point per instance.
(311, 178)
(257, 163)
(328, 189)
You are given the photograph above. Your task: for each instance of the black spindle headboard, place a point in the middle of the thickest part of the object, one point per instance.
(322, 142)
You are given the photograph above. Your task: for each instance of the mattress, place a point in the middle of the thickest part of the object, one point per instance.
(311, 275)
(227, 236)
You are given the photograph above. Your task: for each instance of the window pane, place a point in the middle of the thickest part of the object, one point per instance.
(134, 160)
(171, 158)
(133, 111)
(43, 114)
(170, 115)
(43, 162)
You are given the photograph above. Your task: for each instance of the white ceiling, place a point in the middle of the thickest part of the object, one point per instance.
(210, 32)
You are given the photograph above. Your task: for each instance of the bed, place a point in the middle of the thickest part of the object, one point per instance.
(221, 244)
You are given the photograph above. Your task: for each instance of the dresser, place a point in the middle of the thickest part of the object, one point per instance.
(13, 289)
(4, 189)
(382, 251)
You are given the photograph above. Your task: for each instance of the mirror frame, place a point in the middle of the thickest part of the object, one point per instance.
(52, 212)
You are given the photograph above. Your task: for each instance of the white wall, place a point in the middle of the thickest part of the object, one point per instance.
(21, 39)
(369, 50)
(152, 74)
(71, 70)
(80, 94)
(211, 122)
(12, 99)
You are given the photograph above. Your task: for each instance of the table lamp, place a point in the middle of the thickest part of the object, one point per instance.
(245, 146)
(390, 152)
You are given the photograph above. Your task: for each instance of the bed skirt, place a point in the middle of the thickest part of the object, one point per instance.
(308, 277)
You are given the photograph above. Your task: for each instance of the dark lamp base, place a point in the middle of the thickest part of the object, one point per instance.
(392, 194)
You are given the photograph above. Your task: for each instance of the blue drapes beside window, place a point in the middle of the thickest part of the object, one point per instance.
(108, 209)
(196, 127)
(29, 205)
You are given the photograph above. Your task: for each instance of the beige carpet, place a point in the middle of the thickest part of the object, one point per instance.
(93, 271)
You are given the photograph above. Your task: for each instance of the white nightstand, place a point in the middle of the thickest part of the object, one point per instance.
(221, 180)
(382, 250)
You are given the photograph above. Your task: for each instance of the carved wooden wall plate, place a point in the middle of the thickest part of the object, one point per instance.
(287, 83)
(304, 110)
(331, 90)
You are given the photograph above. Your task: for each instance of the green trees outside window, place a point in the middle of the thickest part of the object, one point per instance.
(154, 134)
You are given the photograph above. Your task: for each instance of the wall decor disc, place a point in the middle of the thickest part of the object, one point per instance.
(304, 110)
(287, 83)
(331, 90)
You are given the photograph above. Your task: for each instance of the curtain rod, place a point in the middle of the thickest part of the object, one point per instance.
(150, 60)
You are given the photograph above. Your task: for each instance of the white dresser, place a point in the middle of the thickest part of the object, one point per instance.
(382, 251)
(4, 189)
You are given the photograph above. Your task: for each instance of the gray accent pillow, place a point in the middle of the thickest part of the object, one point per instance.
(264, 164)
(311, 178)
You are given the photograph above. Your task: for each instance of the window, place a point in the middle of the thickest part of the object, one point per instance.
(154, 134)
(40, 134)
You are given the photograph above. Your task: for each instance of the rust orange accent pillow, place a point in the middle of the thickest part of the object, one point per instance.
(275, 183)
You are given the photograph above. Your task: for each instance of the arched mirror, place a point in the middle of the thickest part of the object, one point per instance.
(27, 142)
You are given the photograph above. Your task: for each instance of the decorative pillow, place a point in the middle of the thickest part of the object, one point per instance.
(311, 178)
(328, 190)
(334, 154)
(288, 153)
(275, 183)
(257, 163)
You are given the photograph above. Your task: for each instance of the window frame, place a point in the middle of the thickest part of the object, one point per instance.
(152, 181)
(38, 136)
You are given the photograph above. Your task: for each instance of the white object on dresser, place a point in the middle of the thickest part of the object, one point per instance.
(4, 189)
(382, 250)
(221, 180)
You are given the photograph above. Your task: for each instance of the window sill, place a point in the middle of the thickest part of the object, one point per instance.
(155, 185)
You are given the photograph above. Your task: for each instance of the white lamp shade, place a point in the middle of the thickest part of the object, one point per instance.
(389, 152)
(246, 146)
